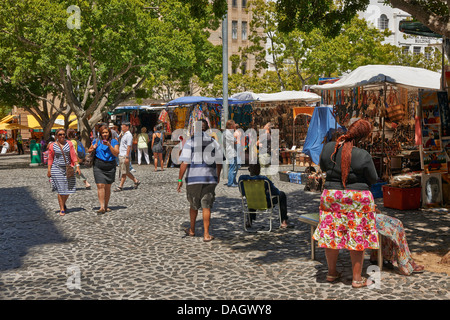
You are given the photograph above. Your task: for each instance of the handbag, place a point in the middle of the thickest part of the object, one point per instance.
(70, 171)
(90, 158)
(395, 110)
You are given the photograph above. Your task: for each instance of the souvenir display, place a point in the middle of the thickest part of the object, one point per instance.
(431, 190)
(431, 138)
(430, 107)
(435, 162)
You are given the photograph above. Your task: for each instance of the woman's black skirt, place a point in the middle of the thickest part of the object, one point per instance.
(104, 171)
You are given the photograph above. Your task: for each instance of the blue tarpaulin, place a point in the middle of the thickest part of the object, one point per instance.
(199, 99)
(323, 124)
(191, 100)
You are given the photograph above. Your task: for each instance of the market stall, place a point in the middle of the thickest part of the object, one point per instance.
(388, 97)
(183, 112)
(287, 110)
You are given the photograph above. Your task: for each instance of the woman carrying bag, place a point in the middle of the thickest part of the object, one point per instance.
(72, 136)
(106, 151)
(62, 159)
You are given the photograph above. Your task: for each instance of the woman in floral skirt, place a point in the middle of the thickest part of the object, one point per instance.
(347, 207)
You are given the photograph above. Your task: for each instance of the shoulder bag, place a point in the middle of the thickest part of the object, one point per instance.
(70, 171)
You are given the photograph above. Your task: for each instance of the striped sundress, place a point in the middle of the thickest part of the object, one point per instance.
(60, 183)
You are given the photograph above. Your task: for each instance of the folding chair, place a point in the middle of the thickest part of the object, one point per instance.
(255, 198)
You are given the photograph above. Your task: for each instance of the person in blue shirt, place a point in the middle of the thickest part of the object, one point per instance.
(106, 151)
(255, 174)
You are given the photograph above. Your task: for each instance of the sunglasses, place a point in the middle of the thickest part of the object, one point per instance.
(61, 134)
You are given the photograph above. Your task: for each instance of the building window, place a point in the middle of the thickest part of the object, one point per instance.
(427, 53)
(383, 22)
(234, 3)
(405, 49)
(234, 30)
(416, 50)
(244, 30)
(244, 3)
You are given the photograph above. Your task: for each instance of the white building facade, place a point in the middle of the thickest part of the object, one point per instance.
(384, 17)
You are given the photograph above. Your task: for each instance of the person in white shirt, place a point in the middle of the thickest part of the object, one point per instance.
(126, 143)
(5, 147)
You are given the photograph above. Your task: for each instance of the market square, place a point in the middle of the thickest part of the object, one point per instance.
(139, 250)
(224, 150)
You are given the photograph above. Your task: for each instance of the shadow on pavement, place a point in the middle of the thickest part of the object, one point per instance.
(23, 225)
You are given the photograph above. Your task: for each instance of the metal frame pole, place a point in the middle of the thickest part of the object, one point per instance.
(225, 81)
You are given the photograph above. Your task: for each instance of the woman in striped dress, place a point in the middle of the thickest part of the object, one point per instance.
(57, 162)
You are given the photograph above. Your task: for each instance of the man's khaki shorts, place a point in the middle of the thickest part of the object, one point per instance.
(124, 168)
(201, 196)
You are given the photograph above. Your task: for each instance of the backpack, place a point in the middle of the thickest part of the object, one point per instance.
(81, 151)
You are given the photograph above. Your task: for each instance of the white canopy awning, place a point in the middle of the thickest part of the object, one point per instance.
(308, 97)
(408, 77)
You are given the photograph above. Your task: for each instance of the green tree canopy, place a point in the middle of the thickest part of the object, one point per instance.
(95, 55)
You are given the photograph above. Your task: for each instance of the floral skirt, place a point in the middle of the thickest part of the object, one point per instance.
(347, 220)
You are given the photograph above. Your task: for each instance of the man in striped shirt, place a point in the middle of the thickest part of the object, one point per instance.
(201, 159)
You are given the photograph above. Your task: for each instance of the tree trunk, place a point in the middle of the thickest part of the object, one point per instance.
(85, 131)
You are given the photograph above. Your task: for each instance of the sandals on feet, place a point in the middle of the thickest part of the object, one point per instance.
(419, 269)
(188, 233)
(360, 283)
(334, 278)
(136, 184)
(62, 213)
(118, 189)
(208, 239)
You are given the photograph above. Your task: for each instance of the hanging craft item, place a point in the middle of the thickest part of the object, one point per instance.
(134, 119)
(372, 107)
(165, 119)
(395, 110)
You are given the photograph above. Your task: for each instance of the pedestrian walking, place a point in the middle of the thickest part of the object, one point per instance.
(72, 137)
(143, 146)
(125, 145)
(231, 153)
(61, 155)
(201, 160)
(106, 150)
(347, 207)
(157, 146)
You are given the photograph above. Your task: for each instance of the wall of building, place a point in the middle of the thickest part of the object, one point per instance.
(377, 9)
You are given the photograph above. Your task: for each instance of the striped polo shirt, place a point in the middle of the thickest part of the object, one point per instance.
(201, 153)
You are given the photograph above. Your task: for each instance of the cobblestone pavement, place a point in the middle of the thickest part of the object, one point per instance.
(139, 251)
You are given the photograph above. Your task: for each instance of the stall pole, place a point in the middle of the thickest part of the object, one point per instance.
(443, 65)
(382, 133)
(225, 81)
